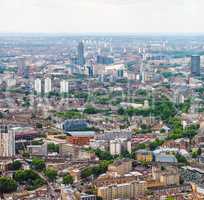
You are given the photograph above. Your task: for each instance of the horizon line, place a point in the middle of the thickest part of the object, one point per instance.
(105, 33)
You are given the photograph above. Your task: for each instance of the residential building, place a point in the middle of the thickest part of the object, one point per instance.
(38, 86)
(47, 85)
(144, 156)
(166, 175)
(122, 191)
(64, 86)
(69, 150)
(7, 141)
(120, 167)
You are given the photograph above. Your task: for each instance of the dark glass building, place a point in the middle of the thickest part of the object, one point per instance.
(81, 59)
(195, 65)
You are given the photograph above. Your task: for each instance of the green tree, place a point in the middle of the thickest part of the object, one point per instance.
(90, 110)
(68, 179)
(199, 151)
(155, 144)
(22, 176)
(170, 198)
(181, 159)
(121, 111)
(51, 174)
(29, 178)
(52, 147)
(103, 155)
(38, 125)
(141, 146)
(16, 165)
(86, 172)
(7, 185)
(38, 164)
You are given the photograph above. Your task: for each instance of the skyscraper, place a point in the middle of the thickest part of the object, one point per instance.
(7, 141)
(90, 71)
(37, 86)
(47, 85)
(81, 59)
(20, 66)
(195, 65)
(64, 86)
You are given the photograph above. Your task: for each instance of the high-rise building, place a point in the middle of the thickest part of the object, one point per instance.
(120, 73)
(81, 59)
(115, 147)
(7, 141)
(38, 86)
(64, 86)
(26, 72)
(195, 65)
(90, 71)
(20, 66)
(47, 85)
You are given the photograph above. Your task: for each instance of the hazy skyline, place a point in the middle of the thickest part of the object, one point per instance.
(101, 16)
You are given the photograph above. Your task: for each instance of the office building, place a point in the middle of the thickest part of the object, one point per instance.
(195, 65)
(90, 71)
(120, 73)
(26, 72)
(47, 85)
(104, 60)
(74, 125)
(64, 86)
(20, 66)
(81, 59)
(7, 141)
(38, 86)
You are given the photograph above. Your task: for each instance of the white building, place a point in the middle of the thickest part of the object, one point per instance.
(47, 85)
(7, 141)
(120, 145)
(115, 147)
(64, 86)
(38, 87)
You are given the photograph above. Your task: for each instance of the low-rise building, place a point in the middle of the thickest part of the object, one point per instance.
(165, 158)
(144, 156)
(166, 175)
(37, 150)
(122, 191)
(69, 150)
(120, 167)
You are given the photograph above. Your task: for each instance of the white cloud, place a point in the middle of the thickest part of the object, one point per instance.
(101, 16)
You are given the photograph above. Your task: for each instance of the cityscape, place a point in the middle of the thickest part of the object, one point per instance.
(101, 100)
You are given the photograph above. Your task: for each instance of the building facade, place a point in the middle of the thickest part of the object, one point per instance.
(47, 85)
(122, 191)
(38, 86)
(7, 141)
(64, 86)
(195, 65)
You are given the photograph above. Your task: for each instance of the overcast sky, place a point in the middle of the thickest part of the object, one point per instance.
(82, 16)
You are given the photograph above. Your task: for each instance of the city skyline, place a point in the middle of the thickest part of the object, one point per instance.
(86, 16)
